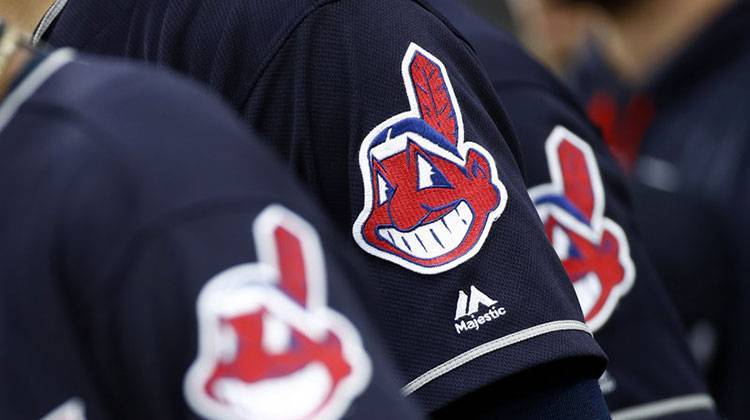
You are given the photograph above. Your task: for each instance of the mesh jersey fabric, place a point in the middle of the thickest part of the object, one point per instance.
(120, 217)
(689, 183)
(326, 74)
(644, 321)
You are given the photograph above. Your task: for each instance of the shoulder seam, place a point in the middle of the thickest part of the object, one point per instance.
(304, 16)
(280, 44)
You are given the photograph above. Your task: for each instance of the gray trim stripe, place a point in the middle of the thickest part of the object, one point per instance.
(47, 20)
(669, 406)
(31, 83)
(489, 347)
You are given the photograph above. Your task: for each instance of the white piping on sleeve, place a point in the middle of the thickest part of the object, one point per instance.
(669, 406)
(32, 82)
(489, 347)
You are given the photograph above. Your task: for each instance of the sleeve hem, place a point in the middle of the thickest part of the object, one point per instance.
(670, 406)
(521, 350)
(489, 347)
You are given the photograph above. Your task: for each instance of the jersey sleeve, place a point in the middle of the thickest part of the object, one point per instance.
(584, 203)
(244, 309)
(189, 265)
(387, 117)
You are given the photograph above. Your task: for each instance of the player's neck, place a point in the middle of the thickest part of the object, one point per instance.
(638, 41)
(12, 69)
(24, 14)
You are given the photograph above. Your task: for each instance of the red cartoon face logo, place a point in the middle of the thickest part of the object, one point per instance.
(593, 249)
(269, 346)
(430, 197)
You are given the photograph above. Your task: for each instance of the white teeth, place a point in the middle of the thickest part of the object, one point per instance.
(435, 238)
(588, 289)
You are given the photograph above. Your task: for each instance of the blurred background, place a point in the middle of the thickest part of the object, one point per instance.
(667, 82)
(496, 11)
(552, 31)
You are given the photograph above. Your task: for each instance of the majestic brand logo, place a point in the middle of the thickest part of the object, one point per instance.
(269, 347)
(594, 249)
(73, 409)
(430, 196)
(468, 306)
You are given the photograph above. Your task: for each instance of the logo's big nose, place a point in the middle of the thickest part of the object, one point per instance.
(405, 212)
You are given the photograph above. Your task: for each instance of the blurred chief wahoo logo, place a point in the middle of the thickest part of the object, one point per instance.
(593, 249)
(430, 197)
(269, 346)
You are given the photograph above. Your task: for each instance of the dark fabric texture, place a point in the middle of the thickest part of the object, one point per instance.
(131, 189)
(525, 397)
(644, 339)
(690, 186)
(314, 78)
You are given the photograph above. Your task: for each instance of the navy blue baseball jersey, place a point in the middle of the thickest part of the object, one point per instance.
(584, 202)
(385, 114)
(683, 135)
(158, 264)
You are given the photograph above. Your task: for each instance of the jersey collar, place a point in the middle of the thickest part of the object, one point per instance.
(34, 79)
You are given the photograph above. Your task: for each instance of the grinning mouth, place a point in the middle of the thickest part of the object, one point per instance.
(268, 398)
(433, 239)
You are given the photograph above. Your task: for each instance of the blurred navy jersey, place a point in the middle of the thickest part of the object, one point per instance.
(684, 136)
(385, 114)
(584, 202)
(158, 264)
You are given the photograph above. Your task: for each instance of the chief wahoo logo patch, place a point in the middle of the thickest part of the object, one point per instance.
(270, 347)
(430, 196)
(593, 248)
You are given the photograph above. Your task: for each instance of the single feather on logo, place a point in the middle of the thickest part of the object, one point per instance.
(434, 99)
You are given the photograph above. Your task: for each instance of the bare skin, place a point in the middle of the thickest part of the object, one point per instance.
(635, 41)
(25, 14)
(639, 40)
(552, 31)
(15, 65)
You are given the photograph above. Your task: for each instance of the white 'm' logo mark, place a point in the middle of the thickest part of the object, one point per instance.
(73, 409)
(469, 304)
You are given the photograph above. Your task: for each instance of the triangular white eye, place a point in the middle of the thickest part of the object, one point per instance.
(425, 170)
(429, 175)
(385, 191)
